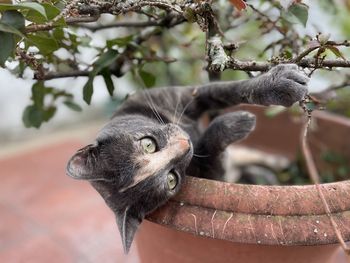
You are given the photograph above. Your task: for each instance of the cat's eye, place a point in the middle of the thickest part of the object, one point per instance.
(148, 145)
(171, 180)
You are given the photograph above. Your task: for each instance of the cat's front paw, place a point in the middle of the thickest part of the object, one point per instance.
(283, 85)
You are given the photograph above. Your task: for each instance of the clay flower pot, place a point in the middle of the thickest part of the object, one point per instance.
(211, 221)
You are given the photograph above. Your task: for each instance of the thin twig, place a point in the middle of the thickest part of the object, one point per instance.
(267, 19)
(31, 61)
(57, 75)
(345, 83)
(314, 176)
(135, 24)
(69, 21)
(304, 54)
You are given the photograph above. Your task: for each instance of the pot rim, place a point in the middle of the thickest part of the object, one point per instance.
(258, 214)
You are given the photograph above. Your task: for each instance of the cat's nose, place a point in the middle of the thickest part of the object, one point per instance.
(184, 143)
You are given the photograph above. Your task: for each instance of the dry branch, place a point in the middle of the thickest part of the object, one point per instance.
(315, 178)
(69, 21)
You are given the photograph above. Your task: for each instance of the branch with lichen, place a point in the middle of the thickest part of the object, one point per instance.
(81, 12)
(220, 61)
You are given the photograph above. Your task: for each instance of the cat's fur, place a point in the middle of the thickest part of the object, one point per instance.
(134, 183)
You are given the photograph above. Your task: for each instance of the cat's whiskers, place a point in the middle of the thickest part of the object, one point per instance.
(153, 108)
(101, 180)
(183, 111)
(200, 156)
(176, 106)
(150, 101)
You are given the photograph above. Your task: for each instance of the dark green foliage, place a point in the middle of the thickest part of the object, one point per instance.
(43, 106)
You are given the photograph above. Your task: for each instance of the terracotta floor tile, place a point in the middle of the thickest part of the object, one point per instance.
(57, 205)
(14, 228)
(45, 216)
(95, 235)
(38, 249)
(25, 176)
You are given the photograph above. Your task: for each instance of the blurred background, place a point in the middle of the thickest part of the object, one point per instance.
(46, 216)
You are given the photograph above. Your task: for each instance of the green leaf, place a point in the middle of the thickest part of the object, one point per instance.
(60, 93)
(33, 6)
(300, 11)
(10, 29)
(336, 52)
(8, 46)
(60, 4)
(104, 60)
(14, 19)
(120, 42)
(32, 16)
(106, 74)
(60, 22)
(25, 6)
(44, 42)
(49, 113)
(88, 89)
(12, 22)
(32, 117)
(38, 94)
(50, 10)
(72, 105)
(148, 78)
(58, 33)
(288, 53)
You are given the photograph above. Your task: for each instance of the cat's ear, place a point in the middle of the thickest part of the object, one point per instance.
(81, 165)
(128, 223)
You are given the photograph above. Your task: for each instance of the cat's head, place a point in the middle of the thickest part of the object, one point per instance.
(136, 165)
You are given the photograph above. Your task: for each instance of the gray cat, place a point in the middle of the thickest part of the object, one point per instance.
(141, 156)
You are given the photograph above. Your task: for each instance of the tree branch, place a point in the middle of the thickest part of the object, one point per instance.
(135, 24)
(166, 22)
(123, 8)
(69, 21)
(306, 52)
(58, 75)
(265, 66)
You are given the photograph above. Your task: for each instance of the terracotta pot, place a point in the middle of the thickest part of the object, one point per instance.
(211, 221)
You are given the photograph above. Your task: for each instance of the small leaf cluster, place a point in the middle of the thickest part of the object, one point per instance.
(43, 108)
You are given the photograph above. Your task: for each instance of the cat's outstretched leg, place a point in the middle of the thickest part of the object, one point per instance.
(282, 85)
(223, 130)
